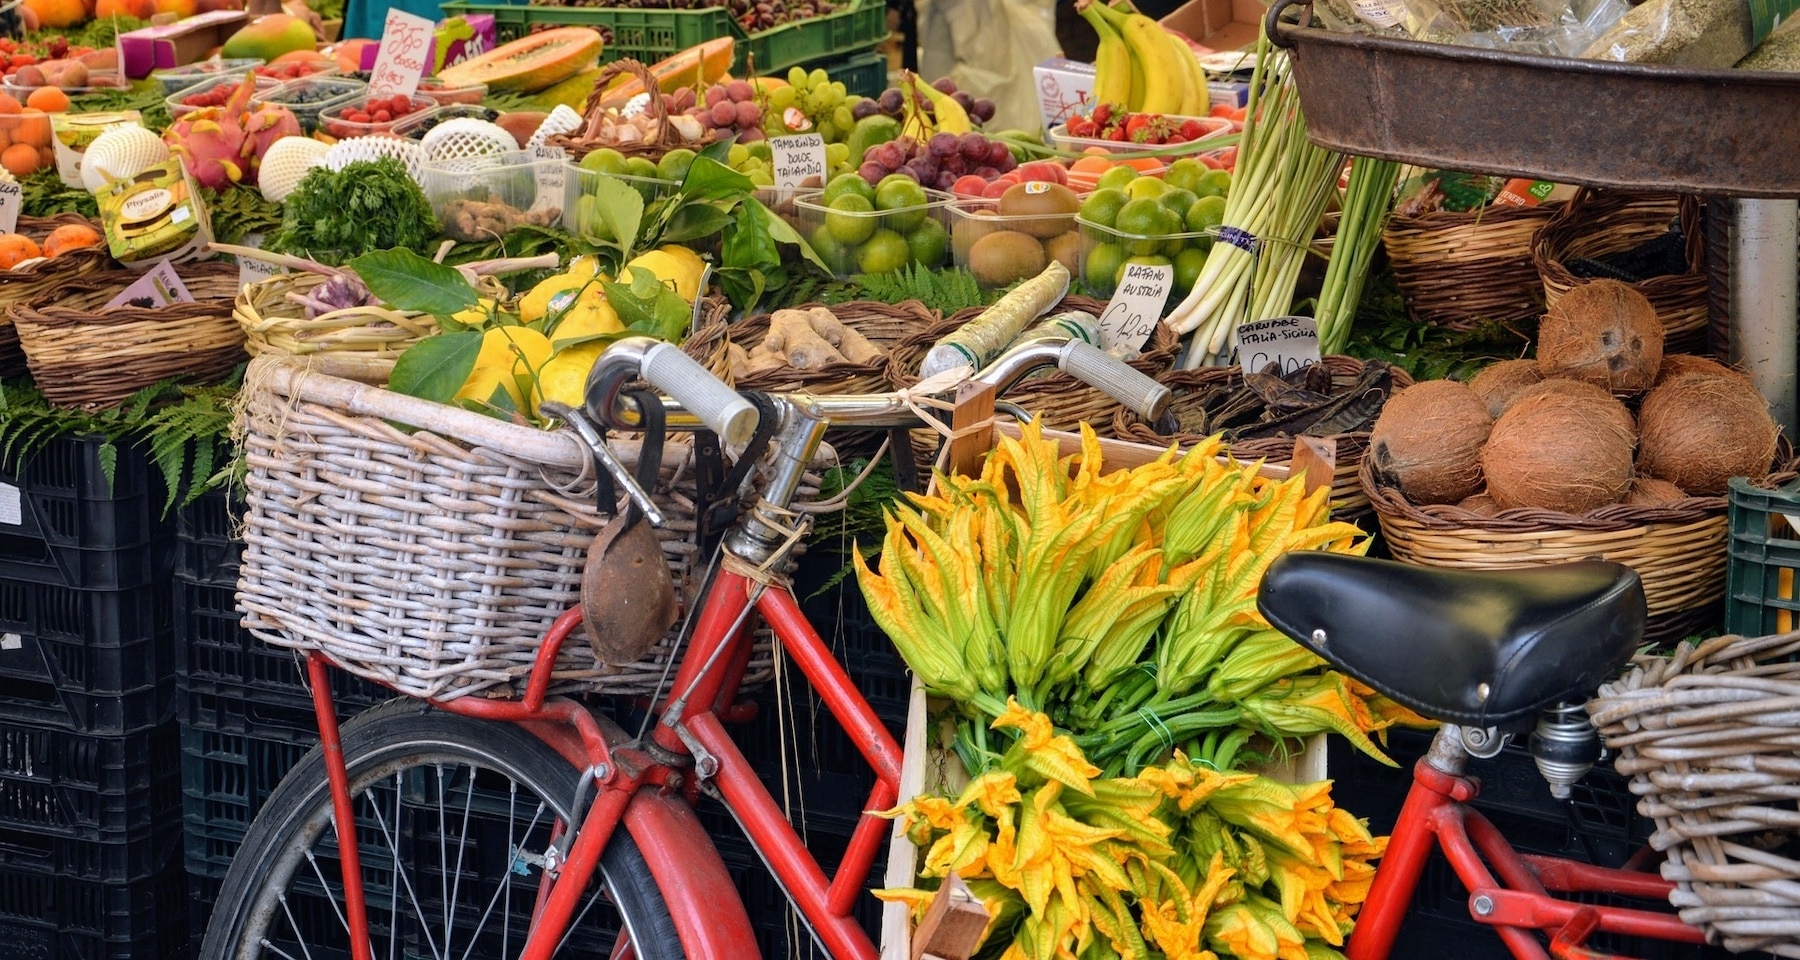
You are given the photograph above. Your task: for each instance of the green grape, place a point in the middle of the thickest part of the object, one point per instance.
(783, 97)
(797, 76)
(842, 118)
(829, 131)
(837, 153)
(839, 90)
(817, 78)
(762, 151)
(738, 154)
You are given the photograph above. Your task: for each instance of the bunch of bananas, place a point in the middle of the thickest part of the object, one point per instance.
(1181, 861)
(1140, 66)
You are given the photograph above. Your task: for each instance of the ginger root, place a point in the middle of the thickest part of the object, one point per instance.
(854, 347)
(804, 340)
(792, 336)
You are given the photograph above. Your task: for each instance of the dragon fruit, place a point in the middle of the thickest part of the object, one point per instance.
(222, 146)
(262, 126)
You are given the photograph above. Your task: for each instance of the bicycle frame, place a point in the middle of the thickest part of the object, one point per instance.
(1516, 903)
(635, 787)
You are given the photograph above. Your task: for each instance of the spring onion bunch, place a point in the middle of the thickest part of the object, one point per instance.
(1278, 196)
(1368, 200)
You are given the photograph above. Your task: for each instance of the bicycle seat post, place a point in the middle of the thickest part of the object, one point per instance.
(1448, 754)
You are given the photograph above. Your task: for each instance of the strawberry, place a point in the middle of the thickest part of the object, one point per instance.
(1081, 127)
(1192, 130)
(1135, 127)
(1174, 138)
(1102, 114)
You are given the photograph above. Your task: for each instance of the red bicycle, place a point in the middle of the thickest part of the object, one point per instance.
(1489, 654)
(536, 827)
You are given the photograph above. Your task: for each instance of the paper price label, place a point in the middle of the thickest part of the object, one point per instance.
(405, 43)
(1130, 317)
(255, 271)
(797, 159)
(12, 197)
(158, 287)
(1290, 342)
(11, 513)
(549, 175)
(1380, 13)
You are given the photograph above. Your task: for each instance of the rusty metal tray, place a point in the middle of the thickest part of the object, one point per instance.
(1717, 132)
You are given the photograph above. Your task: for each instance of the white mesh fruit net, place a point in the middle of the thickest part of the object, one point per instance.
(466, 138)
(286, 163)
(561, 120)
(119, 154)
(346, 152)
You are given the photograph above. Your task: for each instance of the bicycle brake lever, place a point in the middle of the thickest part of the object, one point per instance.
(590, 435)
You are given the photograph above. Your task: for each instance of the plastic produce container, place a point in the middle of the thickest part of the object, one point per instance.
(1215, 127)
(297, 70)
(1011, 258)
(471, 94)
(176, 79)
(876, 241)
(99, 81)
(309, 97)
(483, 197)
(1104, 252)
(32, 128)
(219, 86)
(579, 187)
(332, 121)
(417, 125)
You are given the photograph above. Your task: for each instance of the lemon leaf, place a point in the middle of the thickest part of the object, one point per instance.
(406, 281)
(436, 368)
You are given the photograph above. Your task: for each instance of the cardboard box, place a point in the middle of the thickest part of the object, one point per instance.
(178, 44)
(1219, 24)
(1065, 87)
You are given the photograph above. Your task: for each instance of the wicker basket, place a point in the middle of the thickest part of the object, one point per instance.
(1347, 498)
(25, 282)
(430, 564)
(883, 324)
(586, 140)
(274, 324)
(1598, 224)
(84, 355)
(1678, 549)
(1708, 738)
(1458, 270)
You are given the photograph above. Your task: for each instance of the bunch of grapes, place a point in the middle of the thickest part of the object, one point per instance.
(938, 162)
(732, 110)
(893, 103)
(810, 101)
(754, 15)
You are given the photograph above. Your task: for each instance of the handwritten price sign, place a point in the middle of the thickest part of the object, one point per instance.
(1292, 342)
(405, 43)
(1131, 315)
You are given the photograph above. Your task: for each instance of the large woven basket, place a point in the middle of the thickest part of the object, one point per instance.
(29, 280)
(273, 323)
(1599, 224)
(1677, 549)
(431, 559)
(662, 138)
(1709, 740)
(886, 325)
(1348, 501)
(83, 354)
(1458, 270)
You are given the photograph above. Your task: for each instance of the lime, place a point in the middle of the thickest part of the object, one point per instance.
(1206, 214)
(848, 183)
(1099, 265)
(674, 164)
(885, 252)
(641, 167)
(903, 195)
(1102, 207)
(851, 219)
(1187, 269)
(1185, 174)
(839, 258)
(1116, 178)
(1149, 261)
(1145, 188)
(1214, 183)
(1144, 222)
(605, 160)
(929, 243)
(1178, 200)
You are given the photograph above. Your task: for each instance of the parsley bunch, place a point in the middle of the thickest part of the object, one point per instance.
(334, 216)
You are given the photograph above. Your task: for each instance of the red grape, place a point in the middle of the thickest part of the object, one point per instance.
(944, 85)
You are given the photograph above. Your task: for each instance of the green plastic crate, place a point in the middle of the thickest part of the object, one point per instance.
(1762, 579)
(863, 75)
(652, 35)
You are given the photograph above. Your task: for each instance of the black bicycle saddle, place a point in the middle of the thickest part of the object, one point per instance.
(1476, 648)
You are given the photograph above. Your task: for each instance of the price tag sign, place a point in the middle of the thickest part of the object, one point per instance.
(12, 197)
(405, 43)
(1130, 317)
(251, 270)
(158, 287)
(1292, 342)
(548, 164)
(798, 158)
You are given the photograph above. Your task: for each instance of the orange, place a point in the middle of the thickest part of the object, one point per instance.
(46, 158)
(20, 160)
(48, 99)
(70, 236)
(1091, 164)
(16, 249)
(33, 128)
(8, 104)
(1143, 164)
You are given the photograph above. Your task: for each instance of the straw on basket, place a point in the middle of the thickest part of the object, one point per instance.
(273, 323)
(29, 280)
(1460, 269)
(1708, 737)
(1677, 549)
(663, 135)
(83, 354)
(1190, 387)
(1599, 224)
(431, 559)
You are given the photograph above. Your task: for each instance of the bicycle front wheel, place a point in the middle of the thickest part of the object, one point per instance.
(454, 820)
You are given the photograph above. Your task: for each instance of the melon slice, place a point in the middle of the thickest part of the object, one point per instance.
(530, 63)
(699, 66)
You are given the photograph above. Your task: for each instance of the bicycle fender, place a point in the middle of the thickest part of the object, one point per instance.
(702, 900)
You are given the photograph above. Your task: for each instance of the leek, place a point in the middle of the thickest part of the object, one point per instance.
(1368, 200)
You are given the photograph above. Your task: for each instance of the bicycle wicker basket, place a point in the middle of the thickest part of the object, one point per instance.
(1708, 737)
(426, 547)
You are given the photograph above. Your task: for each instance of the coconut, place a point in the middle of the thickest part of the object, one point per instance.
(1557, 451)
(1603, 332)
(1580, 392)
(1480, 503)
(1651, 492)
(1699, 431)
(1676, 364)
(1498, 383)
(1428, 440)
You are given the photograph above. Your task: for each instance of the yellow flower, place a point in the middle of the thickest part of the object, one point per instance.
(990, 793)
(1053, 757)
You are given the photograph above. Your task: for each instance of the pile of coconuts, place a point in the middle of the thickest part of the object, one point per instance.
(1559, 433)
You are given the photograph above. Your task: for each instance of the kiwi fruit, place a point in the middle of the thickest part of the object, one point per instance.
(1044, 209)
(1005, 257)
(1063, 248)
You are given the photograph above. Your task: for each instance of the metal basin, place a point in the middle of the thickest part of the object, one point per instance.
(1716, 132)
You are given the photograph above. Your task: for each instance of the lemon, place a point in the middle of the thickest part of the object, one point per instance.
(684, 272)
(476, 316)
(564, 377)
(591, 315)
(507, 353)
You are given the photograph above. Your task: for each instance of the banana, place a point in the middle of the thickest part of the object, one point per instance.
(1112, 64)
(950, 115)
(1195, 101)
(1136, 102)
(1165, 79)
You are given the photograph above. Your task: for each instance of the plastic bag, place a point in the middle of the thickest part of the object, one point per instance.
(1694, 33)
(986, 46)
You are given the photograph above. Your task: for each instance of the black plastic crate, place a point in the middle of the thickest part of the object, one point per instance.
(206, 551)
(89, 788)
(225, 779)
(48, 917)
(99, 861)
(215, 655)
(87, 661)
(63, 522)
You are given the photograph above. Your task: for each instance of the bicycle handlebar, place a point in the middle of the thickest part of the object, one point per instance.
(669, 370)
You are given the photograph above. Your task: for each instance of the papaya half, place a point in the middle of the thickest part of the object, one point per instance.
(530, 63)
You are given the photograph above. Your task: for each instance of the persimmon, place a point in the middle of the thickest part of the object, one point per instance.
(32, 128)
(9, 104)
(17, 248)
(20, 159)
(70, 236)
(48, 99)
